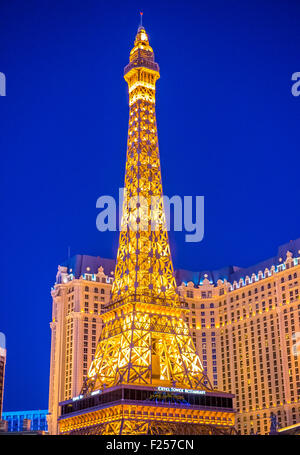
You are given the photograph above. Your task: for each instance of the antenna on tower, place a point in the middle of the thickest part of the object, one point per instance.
(69, 252)
(141, 23)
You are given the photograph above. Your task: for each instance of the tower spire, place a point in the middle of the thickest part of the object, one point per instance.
(141, 19)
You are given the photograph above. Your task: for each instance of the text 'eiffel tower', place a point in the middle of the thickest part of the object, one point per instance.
(146, 365)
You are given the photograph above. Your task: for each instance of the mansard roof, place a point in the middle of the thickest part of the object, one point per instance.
(234, 273)
(82, 263)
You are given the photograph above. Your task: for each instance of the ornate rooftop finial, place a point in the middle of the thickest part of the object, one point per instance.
(100, 269)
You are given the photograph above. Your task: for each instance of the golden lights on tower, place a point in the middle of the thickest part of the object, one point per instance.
(145, 339)
(145, 349)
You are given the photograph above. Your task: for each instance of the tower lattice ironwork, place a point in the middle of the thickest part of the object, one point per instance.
(145, 339)
(146, 376)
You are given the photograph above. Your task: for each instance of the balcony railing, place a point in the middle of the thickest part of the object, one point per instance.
(141, 62)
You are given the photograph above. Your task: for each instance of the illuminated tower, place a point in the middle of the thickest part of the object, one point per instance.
(144, 339)
(145, 352)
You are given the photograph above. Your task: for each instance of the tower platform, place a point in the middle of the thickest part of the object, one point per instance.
(131, 409)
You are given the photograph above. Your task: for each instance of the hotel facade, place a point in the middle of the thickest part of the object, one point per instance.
(246, 329)
(245, 323)
(80, 292)
(19, 421)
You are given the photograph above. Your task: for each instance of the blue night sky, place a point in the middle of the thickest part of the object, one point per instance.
(228, 129)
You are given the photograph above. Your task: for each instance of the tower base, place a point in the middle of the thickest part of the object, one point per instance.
(132, 410)
(144, 427)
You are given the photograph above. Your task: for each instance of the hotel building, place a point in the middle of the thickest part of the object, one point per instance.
(18, 420)
(81, 290)
(245, 323)
(246, 326)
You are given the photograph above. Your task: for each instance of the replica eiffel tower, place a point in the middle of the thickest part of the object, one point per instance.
(146, 376)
